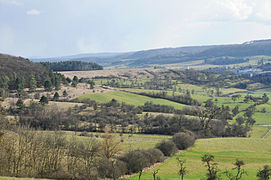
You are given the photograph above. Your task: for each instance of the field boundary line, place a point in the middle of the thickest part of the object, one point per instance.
(267, 133)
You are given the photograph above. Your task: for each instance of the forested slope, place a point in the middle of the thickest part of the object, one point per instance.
(21, 66)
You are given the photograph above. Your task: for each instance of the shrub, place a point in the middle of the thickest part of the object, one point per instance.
(110, 169)
(183, 140)
(44, 100)
(135, 160)
(156, 155)
(37, 96)
(56, 96)
(168, 148)
(265, 173)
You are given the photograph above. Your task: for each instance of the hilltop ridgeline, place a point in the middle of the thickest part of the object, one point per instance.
(213, 54)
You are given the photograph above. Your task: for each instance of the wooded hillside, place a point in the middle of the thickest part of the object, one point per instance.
(21, 66)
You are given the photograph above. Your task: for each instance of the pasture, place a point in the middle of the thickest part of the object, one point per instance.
(128, 98)
(127, 141)
(255, 152)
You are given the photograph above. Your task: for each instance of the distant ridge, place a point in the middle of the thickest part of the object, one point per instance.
(145, 58)
(76, 56)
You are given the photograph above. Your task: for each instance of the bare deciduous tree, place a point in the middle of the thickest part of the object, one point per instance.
(182, 170)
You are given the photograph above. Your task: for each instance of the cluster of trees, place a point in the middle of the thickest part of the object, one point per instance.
(264, 78)
(245, 73)
(88, 81)
(25, 152)
(122, 83)
(72, 66)
(48, 80)
(225, 60)
(75, 80)
(154, 83)
(159, 83)
(183, 99)
(264, 66)
(241, 85)
(43, 117)
(208, 120)
(213, 173)
(210, 113)
(18, 73)
(257, 100)
(137, 160)
(28, 153)
(150, 107)
(172, 80)
(212, 121)
(201, 77)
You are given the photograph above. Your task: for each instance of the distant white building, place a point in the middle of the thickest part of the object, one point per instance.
(186, 68)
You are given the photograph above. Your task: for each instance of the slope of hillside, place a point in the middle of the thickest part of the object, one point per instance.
(20, 66)
(252, 48)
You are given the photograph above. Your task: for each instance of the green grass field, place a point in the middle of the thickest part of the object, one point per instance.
(128, 98)
(129, 141)
(255, 152)
(137, 141)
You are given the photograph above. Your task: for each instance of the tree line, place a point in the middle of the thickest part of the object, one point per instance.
(208, 120)
(48, 80)
(182, 99)
(72, 66)
(225, 60)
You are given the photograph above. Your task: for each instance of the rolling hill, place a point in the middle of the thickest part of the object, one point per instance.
(21, 66)
(176, 55)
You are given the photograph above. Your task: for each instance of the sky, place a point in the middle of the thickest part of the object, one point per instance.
(49, 28)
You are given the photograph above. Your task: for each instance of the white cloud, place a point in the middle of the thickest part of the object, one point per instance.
(236, 9)
(12, 2)
(245, 9)
(264, 10)
(33, 12)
